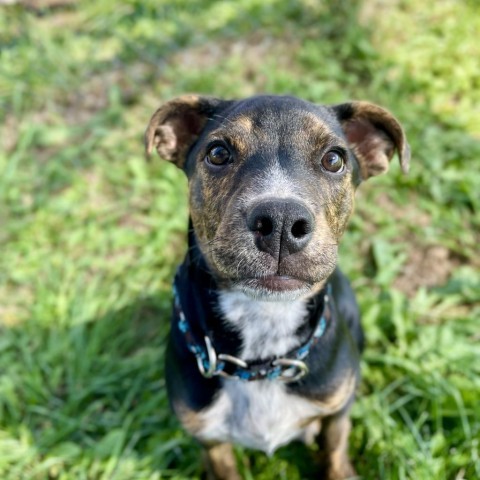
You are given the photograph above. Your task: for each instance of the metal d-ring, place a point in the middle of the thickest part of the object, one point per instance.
(224, 357)
(212, 360)
(230, 358)
(287, 362)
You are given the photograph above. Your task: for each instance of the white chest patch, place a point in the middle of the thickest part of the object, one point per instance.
(260, 414)
(267, 328)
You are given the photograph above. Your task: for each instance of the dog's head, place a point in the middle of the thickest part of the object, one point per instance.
(272, 182)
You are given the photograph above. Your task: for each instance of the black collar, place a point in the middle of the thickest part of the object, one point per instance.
(198, 320)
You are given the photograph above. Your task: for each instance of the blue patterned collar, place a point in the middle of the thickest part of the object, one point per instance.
(288, 368)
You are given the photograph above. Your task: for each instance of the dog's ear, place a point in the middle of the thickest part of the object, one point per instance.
(374, 135)
(176, 125)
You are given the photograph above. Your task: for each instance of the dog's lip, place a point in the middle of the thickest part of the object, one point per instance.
(276, 283)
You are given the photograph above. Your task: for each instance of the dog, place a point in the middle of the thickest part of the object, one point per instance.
(266, 336)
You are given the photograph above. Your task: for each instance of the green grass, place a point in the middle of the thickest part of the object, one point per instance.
(91, 233)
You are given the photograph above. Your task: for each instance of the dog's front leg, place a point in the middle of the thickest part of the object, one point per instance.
(333, 443)
(220, 462)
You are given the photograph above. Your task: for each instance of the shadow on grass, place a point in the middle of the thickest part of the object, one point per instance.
(94, 391)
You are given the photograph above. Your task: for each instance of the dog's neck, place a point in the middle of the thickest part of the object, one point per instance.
(267, 329)
(237, 324)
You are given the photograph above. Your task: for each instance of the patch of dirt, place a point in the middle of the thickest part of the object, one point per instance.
(82, 104)
(407, 213)
(9, 133)
(372, 10)
(14, 305)
(254, 51)
(10, 316)
(132, 222)
(425, 267)
(78, 106)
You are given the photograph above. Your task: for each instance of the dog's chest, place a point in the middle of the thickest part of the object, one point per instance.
(260, 414)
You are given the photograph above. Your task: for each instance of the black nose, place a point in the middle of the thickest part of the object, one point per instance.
(281, 226)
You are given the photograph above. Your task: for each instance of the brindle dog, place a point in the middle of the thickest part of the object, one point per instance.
(266, 335)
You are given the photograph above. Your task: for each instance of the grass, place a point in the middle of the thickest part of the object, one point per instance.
(91, 233)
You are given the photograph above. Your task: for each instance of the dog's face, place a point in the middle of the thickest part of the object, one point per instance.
(272, 182)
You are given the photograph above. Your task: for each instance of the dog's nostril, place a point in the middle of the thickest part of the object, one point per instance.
(264, 226)
(300, 228)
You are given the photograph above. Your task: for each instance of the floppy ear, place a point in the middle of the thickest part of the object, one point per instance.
(374, 135)
(176, 125)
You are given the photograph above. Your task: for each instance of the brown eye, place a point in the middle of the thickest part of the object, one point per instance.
(218, 156)
(333, 162)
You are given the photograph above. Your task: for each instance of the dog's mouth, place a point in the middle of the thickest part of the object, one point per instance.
(277, 283)
(275, 286)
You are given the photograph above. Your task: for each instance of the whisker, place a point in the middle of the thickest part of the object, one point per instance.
(222, 118)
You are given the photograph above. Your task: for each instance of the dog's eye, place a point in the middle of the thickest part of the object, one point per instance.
(218, 156)
(333, 162)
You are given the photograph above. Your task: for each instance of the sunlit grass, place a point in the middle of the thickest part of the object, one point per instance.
(91, 232)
